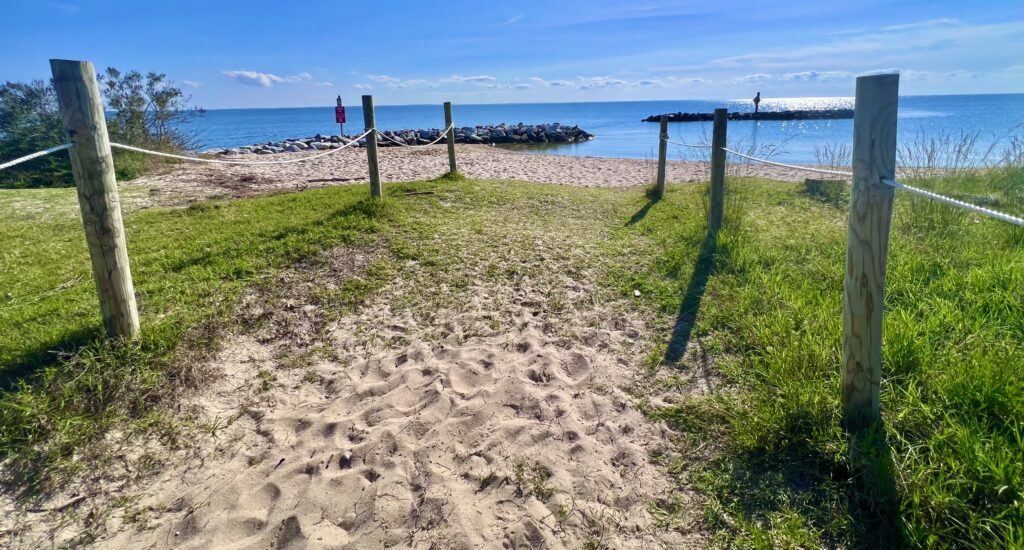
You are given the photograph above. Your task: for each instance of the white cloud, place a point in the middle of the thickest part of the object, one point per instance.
(818, 76)
(383, 78)
(595, 82)
(398, 83)
(552, 83)
(362, 87)
(265, 80)
(192, 83)
(474, 79)
(750, 79)
(582, 82)
(324, 84)
(522, 86)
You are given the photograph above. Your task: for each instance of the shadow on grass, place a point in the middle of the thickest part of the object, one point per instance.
(853, 500)
(47, 353)
(873, 497)
(702, 270)
(652, 199)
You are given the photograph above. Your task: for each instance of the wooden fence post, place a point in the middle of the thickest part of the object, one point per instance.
(370, 122)
(662, 153)
(450, 138)
(867, 244)
(81, 110)
(717, 194)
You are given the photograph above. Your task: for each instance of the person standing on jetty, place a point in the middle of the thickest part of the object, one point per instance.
(757, 103)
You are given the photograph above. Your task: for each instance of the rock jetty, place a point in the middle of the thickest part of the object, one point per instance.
(502, 133)
(820, 114)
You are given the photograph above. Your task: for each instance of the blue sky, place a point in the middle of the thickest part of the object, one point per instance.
(294, 54)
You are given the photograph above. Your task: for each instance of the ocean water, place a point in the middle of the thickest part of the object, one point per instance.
(620, 132)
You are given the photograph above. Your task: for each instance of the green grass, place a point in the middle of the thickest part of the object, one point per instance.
(945, 469)
(762, 301)
(64, 385)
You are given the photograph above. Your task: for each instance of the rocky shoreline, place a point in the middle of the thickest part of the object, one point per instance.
(821, 114)
(500, 134)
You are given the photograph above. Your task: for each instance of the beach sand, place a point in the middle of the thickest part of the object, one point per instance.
(487, 417)
(194, 181)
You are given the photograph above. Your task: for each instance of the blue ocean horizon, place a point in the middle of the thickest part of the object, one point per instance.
(620, 132)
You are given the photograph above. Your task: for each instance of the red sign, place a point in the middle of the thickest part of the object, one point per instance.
(339, 115)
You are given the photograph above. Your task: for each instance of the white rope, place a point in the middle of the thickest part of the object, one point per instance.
(242, 162)
(793, 166)
(688, 144)
(37, 154)
(444, 133)
(955, 202)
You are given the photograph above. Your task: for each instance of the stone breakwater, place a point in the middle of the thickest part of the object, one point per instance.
(502, 133)
(821, 114)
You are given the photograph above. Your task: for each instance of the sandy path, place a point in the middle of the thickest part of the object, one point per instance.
(195, 181)
(482, 400)
(487, 422)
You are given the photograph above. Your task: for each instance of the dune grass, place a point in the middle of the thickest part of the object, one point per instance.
(758, 308)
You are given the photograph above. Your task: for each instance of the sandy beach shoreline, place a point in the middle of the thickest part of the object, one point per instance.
(194, 181)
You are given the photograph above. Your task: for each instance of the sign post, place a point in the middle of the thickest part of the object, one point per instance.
(339, 117)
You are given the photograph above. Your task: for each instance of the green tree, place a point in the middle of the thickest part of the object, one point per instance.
(145, 110)
(148, 110)
(30, 121)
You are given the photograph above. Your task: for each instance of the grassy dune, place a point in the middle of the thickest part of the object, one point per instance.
(757, 312)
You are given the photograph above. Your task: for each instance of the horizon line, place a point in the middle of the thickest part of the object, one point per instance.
(598, 101)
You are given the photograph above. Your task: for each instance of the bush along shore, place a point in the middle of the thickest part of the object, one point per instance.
(502, 133)
(812, 114)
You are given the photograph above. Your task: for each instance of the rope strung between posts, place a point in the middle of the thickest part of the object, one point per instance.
(37, 154)
(688, 144)
(958, 203)
(242, 162)
(793, 166)
(444, 133)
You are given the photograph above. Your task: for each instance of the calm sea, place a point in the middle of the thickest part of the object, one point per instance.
(620, 132)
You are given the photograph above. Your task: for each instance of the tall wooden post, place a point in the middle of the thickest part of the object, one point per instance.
(717, 194)
(662, 153)
(370, 121)
(867, 244)
(92, 164)
(450, 138)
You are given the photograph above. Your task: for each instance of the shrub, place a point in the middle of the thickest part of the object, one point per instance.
(145, 111)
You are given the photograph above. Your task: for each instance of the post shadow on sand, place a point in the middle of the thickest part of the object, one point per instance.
(687, 316)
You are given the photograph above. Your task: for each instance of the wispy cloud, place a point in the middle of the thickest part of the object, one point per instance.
(818, 76)
(511, 20)
(472, 79)
(192, 83)
(398, 83)
(63, 7)
(860, 47)
(265, 80)
(362, 86)
(581, 82)
(324, 84)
